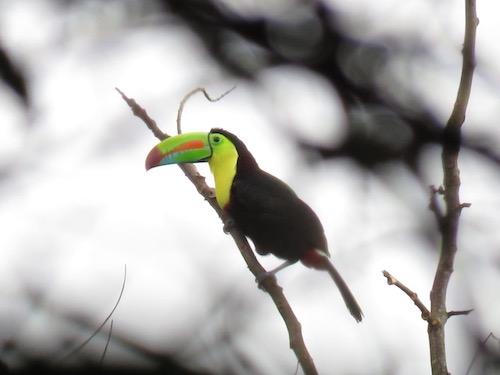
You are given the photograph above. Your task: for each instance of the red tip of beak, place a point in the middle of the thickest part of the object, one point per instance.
(153, 159)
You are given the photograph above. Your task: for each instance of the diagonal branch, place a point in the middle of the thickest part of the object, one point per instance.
(270, 283)
(391, 280)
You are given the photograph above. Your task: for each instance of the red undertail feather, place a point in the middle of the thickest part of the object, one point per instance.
(315, 259)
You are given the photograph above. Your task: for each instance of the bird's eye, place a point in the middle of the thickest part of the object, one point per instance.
(216, 139)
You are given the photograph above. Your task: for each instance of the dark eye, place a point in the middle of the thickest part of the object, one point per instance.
(216, 139)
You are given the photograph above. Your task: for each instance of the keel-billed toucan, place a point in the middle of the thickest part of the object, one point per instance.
(261, 206)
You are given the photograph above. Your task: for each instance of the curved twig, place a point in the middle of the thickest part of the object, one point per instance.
(110, 333)
(189, 95)
(79, 347)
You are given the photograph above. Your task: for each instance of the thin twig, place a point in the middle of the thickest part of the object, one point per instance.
(107, 344)
(269, 284)
(189, 95)
(391, 280)
(79, 347)
(459, 312)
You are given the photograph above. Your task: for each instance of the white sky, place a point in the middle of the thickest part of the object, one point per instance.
(77, 205)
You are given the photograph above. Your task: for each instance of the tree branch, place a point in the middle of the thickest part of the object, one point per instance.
(391, 280)
(269, 284)
(460, 312)
(453, 207)
(447, 218)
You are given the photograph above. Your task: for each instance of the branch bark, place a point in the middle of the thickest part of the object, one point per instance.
(451, 184)
(269, 284)
(447, 218)
(391, 280)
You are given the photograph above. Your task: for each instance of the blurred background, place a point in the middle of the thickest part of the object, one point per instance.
(344, 101)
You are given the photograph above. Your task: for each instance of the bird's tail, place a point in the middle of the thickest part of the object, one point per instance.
(349, 299)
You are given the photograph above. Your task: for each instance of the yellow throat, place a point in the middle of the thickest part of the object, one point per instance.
(223, 167)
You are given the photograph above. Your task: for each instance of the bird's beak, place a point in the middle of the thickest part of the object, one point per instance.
(182, 148)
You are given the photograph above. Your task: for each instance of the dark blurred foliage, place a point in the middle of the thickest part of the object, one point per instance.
(160, 364)
(380, 128)
(12, 76)
(487, 357)
(77, 352)
(40, 368)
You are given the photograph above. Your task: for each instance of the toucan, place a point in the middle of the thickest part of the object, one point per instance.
(264, 208)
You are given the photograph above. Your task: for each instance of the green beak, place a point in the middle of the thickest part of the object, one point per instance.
(182, 148)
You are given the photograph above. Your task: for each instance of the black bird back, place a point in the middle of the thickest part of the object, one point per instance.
(269, 212)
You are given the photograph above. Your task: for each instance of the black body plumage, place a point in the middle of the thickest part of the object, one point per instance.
(267, 210)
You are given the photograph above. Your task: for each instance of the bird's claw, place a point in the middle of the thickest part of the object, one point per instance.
(262, 276)
(228, 225)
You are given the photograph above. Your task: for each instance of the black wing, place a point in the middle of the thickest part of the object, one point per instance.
(269, 212)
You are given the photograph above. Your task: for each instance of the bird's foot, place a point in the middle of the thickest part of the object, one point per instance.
(263, 276)
(228, 225)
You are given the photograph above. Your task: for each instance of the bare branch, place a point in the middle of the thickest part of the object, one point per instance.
(269, 284)
(391, 280)
(140, 112)
(465, 205)
(453, 207)
(459, 312)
